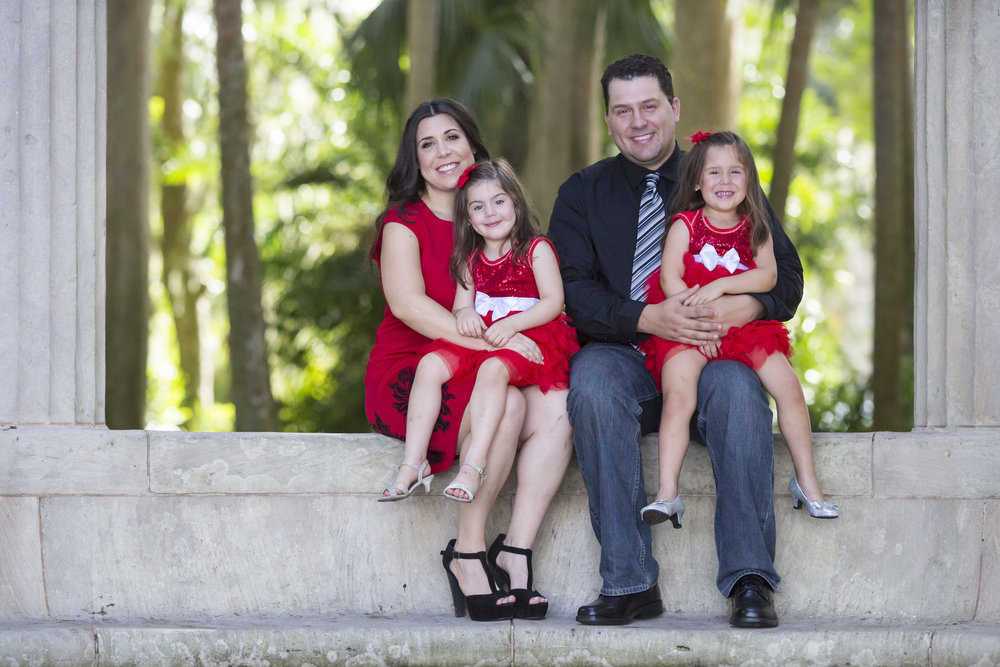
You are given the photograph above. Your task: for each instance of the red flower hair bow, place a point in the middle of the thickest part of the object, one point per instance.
(464, 178)
(699, 137)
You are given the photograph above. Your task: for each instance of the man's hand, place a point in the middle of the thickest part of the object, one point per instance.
(672, 320)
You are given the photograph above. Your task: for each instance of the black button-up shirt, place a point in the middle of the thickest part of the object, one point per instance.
(593, 227)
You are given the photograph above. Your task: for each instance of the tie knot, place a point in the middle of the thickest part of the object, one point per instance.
(652, 179)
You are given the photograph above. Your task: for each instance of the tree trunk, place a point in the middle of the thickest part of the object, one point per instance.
(180, 279)
(706, 72)
(565, 81)
(894, 244)
(795, 84)
(251, 385)
(421, 36)
(127, 319)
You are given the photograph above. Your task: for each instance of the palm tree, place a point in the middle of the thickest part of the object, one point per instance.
(806, 19)
(251, 387)
(894, 244)
(127, 326)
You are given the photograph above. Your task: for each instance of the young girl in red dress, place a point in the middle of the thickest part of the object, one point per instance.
(508, 283)
(719, 240)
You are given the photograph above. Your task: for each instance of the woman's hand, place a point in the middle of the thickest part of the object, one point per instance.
(524, 346)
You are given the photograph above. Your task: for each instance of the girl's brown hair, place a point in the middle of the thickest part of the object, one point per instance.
(689, 198)
(467, 241)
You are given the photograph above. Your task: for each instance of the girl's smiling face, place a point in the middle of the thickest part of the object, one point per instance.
(491, 214)
(723, 183)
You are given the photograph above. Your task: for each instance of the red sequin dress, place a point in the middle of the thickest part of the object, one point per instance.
(716, 253)
(505, 287)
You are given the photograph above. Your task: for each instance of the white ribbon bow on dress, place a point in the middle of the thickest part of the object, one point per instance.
(709, 256)
(502, 306)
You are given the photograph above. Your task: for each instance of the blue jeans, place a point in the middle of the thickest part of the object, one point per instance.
(612, 403)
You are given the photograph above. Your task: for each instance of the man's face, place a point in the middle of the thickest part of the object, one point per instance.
(641, 120)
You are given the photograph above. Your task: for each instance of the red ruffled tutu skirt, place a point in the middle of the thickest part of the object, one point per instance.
(750, 344)
(556, 340)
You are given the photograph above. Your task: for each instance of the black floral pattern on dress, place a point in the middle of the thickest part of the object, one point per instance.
(384, 429)
(401, 390)
(401, 399)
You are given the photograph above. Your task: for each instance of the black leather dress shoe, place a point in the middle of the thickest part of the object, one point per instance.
(753, 606)
(621, 609)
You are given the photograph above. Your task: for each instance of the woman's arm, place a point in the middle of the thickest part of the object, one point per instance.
(550, 298)
(405, 292)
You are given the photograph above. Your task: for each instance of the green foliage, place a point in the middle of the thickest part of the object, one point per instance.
(829, 213)
(326, 95)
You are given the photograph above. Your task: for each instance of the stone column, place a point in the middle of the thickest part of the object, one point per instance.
(957, 184)
(52, 156)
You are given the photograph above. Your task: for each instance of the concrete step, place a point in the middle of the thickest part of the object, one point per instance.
(443, 640)
(231, 542)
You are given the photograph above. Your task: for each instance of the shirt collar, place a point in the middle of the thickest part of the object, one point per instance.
(636, 175)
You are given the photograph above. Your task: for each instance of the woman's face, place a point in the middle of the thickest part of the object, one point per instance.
(443, 152)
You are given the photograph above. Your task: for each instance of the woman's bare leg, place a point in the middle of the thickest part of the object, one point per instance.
(541, 464)
(472, 516)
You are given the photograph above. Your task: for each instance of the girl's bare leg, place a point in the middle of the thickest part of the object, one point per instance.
(421, 415)
(680, 398)
(780, 381)
(486, 408)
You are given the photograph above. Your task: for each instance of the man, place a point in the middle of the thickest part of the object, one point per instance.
(612, 399)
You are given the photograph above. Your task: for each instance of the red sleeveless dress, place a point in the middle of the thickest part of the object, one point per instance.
(716, 253)
(398, 348)
(505, 287)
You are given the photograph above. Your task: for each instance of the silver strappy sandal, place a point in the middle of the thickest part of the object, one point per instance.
(462, 487)
(399, 492)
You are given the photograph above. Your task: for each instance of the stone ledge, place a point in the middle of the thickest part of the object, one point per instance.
(284, 525)
(443, 640)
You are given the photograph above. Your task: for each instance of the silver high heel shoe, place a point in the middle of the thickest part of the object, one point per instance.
(399, 492)
(818, 509)
(462, 487)
(660, 510)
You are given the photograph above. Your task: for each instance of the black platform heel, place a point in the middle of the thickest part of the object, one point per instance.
(481, 607)
(523, 607)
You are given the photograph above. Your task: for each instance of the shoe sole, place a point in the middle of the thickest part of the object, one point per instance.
(645, 612)
(653, 517)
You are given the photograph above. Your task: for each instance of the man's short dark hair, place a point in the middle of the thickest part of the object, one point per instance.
(634, 66)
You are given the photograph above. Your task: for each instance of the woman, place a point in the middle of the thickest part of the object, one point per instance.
(412, 246)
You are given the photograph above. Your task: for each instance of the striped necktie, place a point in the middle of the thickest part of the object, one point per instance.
(650, 231)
